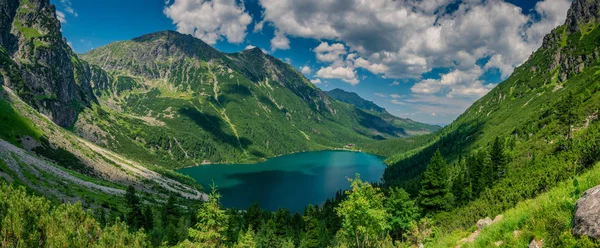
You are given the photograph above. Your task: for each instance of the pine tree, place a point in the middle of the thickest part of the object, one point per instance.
(246, 240)
(134, 217)
(462, 187)
(498, 158)
(212, 222)
(566, 112)
(435, 192)
(311, 225)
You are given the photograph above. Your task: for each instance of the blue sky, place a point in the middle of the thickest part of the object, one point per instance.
(424, 60)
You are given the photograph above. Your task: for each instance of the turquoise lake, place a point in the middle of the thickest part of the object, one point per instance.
(291, 181)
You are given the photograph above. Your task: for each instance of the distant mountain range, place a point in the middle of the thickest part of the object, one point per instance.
(411, 127)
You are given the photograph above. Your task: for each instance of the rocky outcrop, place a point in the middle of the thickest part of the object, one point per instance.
(51, 77)
(587, 214)
(582, 12)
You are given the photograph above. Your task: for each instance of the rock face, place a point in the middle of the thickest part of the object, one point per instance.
(43, 70)
(582, 12)
(587, 214)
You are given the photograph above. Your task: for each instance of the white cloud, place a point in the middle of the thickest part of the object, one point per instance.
(280, 42)
(315, 81)
(329, 53)
(248, 47)
(347, 74)
(67, 6)
(382, 95)
(61, 17)
(394, 83)
(210, 20)
(405, 39)
(395, 96)
(461, 83)
(305, 70)
(395, 101)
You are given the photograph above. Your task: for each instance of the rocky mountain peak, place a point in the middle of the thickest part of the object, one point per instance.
(582, 12)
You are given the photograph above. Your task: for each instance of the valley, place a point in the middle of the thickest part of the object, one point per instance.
(165, 141)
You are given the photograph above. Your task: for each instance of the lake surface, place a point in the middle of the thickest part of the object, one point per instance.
(291, 181)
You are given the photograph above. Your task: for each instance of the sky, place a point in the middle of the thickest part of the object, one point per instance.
(427, 60)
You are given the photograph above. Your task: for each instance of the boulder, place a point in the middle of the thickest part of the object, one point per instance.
(587, 214)
(483, 223)
(536, 244)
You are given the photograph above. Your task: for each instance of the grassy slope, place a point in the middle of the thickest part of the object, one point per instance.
(523, 105)
(523, 111)
(547, 217)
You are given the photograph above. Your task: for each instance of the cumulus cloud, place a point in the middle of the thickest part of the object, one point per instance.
(61, 17)
(405, 39)
(305, 70)
(347, 74)
(462, 83)
(280, 41)
(329, 53)
(315, 81)
(210, 20)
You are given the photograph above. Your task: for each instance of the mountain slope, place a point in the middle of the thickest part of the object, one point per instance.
(185, 103)
(409, 126)
(545, 115)
(45, 87)
(354, 99)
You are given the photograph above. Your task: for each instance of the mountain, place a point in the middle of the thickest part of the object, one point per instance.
(355, 99)
(185, 103)
(411, 127)
(537, 128)
(45, 87)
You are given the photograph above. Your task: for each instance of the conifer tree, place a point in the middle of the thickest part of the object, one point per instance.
(134, 217)
(212, 222)
(246, 239)
(435, 192)
(462, 187)
(498, 158)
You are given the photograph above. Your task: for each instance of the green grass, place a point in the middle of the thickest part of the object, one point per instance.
(14, 126)
(547, 217)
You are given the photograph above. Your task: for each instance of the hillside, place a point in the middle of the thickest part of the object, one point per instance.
(409, 126)
(185, 103)
(537, 128)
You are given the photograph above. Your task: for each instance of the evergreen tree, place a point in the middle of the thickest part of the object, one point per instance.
(254, 215)
(148, 218)
(462, 188)
(403, 211)
(364, 217)
(498, 158)
(566, 112)
(246, 240)
(311, 225)
(435, 192)
(212, 222)
(134, 217)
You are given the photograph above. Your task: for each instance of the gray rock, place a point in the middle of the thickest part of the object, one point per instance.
(536, 244)
(587, 214)
(483, 223)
